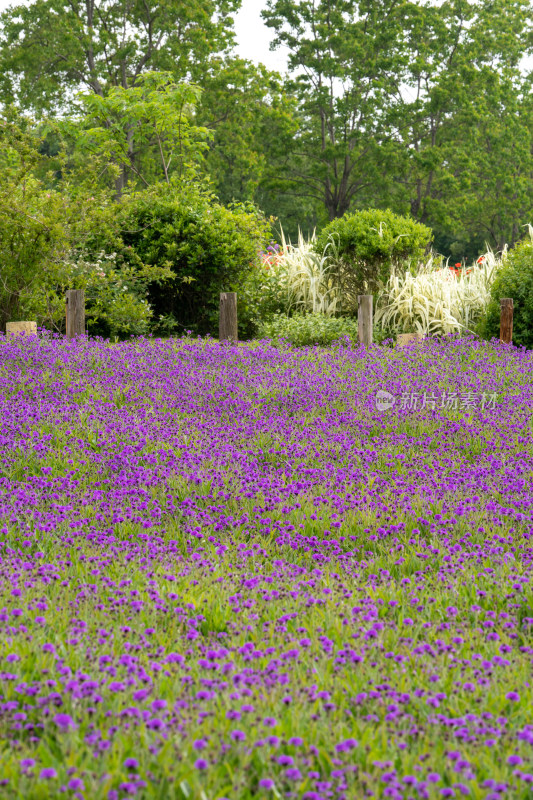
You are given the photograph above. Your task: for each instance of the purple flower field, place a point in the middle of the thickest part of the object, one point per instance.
(225, 573)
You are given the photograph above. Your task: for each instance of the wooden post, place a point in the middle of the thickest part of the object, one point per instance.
(364, 319)
(506, 320)
(15, 328)
(228, 317)
(75, 313)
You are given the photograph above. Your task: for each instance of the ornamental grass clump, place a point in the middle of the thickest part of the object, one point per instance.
(233, 572)
(306, 277)
(436, 299)
(287, 280)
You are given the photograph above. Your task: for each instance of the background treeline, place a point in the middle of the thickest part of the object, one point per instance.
(141, 156)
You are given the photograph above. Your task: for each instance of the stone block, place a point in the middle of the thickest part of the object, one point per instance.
(409, 338)
(16, 328)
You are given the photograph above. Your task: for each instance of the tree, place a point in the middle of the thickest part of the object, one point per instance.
(346, 58)
(51, 49)
(419, 107)
(253, 122)
(38, 223)
(46, 235)
(146, 130)
(31, 235)
(500, 201)
(491, 166)
(464, 163)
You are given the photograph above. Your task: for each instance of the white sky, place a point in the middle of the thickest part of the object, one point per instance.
(253, 37)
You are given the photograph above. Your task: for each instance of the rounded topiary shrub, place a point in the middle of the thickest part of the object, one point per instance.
(366, 245)
(514, 279)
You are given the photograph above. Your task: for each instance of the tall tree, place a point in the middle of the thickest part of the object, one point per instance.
(253, 121)
(146, 132)
(38, 224)
(51, 49)
(393, 96)
(345, 58)
(466, 146)
(50, 52)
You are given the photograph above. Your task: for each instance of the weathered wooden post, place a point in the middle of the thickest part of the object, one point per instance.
(227, 328)
(75, 313)
(364, 319)
(506, 320)
(15, 328)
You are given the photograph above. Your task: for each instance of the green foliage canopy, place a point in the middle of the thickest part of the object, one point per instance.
(33, 217)
(46, 236)
(50, 50)
(418, 107)
(145, 131)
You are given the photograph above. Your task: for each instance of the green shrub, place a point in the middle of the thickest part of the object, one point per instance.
(514, 279)
(206, 248)
(43, 231)
(261, 293)
(366, 245)
(115, 293)
(308, 329)
(32, 232)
